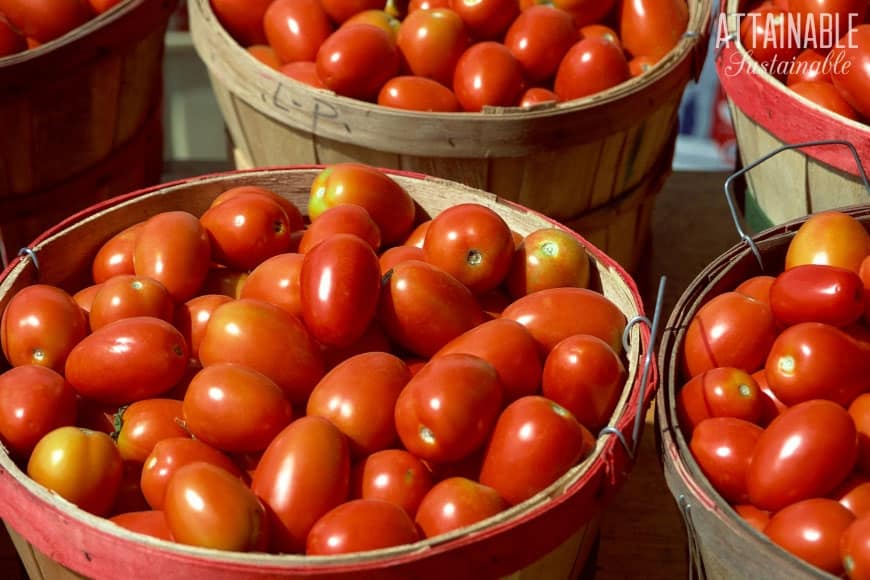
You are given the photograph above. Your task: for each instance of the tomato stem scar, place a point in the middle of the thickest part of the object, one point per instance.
(786, 364)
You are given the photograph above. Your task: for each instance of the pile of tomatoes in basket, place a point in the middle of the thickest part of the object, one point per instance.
(457, 55)
(27, 24)
(777, 406)
(244, 380)
(819, 48)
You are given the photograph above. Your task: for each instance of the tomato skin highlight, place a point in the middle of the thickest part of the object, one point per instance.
(817, 293)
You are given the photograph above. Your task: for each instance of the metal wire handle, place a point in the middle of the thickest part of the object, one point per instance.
(644, 376)
(729, 190)
(29, 253)
(695, 564)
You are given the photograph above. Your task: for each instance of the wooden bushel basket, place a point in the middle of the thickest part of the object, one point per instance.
(594, 164)
(766, 115)
(547, 537)
(81, 118)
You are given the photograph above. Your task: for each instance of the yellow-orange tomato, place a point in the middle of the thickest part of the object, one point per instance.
(832, 238)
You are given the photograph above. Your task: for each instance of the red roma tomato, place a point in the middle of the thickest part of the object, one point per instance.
(448, 408)
(536, 96)
(267, 339)
(304, 71)
(266, 55)
(418, 234)
(145, 423)
(590, 66)
(393, 475)
(361, 525)
(486, 19)
(811, 530)
(754, 517)
(585, 11)
(864, 274)
(130, 497)
(168, 456)
(358, 396)
(853, 81)
(472, 243)
(819, 18)
(509, 347)
(762, 32)
(855, 548)
(115, 256)
(487, 74)
(214, 397)
(126, 296)
(85, 297)
(723, 448)
(548, 258)
(11, 42)
(860, 412)
(45, 20)
(414, 93)
(422, 307)
(832, 238)
(640, 65)
(652, 27)
(817, 293)
(245, 230)
(731, 330)
(243, 19)
(80, 465)
(805, 452)
(386, 201)
(303, 474)
(556, 313)
(415, 5)
(209, 507)
(128, 360)
(600, 31)
(173, 248)
(817, 361)
(719, 392)
(854, 494)
(339, 287)
(223, 280)
(377, 17)
(294, 215)
(397, 254)
(356, 60)
(342, 10)
(40, 325)
(539, 38)
(373, 340)
(494, 302)
(33, 401)
(150, 523)
(771, 406)
(585, 375)
(457, 502)
(809, 66)
(534, 443)
(431, 42)
(346, 218)
(826, 96)
(276, 281)
(191, 318)
(296, 28)
(101, 6)
(757, 287)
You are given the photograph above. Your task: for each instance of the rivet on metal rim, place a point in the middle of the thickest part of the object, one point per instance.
(729, 190)
(29, 253)
(644, 376)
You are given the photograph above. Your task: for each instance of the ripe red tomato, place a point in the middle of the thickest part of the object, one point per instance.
(548, 258)
(80, 465)
(33, 401)
(294, 215)
(85, 297)
(457, 502)
(719, 392)
(854, 494)
(415, 93)
(393, 475)
(723, 448)
(757, 287)
(356, 60)
(859, 409)
(191, 318)
(223, 280)
(446, 411)
(539, 38)
(168, 456)
(377, 17)
(422, 307)
(855, 548)
(296, 498)
(339, 287)
(209, 507)
(341, 10)
(820, 18)
(172, 247)
(128, 360)
(509, 347)
(590, 66)
(730, 330)
(243, 19)
(853, 81)
(45, 20)
(556, 313)
(584, 11)
(486, 19)
(40, 325)
(267, 339)
(487, 74)
(805, 452)
(754, 517)
(600, 31)
(276, 281)
(11, 42)
(585, 375)
(148, 522)
(392, 256)
(142, 424)
(266, 55)
(431, 42)
(115, 256)
(534, 443)
(808, 66)
(360, 525)
(418, 234)
(826, 96)
(832, 238)
(296, 28)
(374, 339)
(358, 396)
(652, 27)
(764, 32)
(128, 295)
(346, 218)
(304, 71)
(640, 65)
(817, 293)
(811, 530)
(536, 96)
